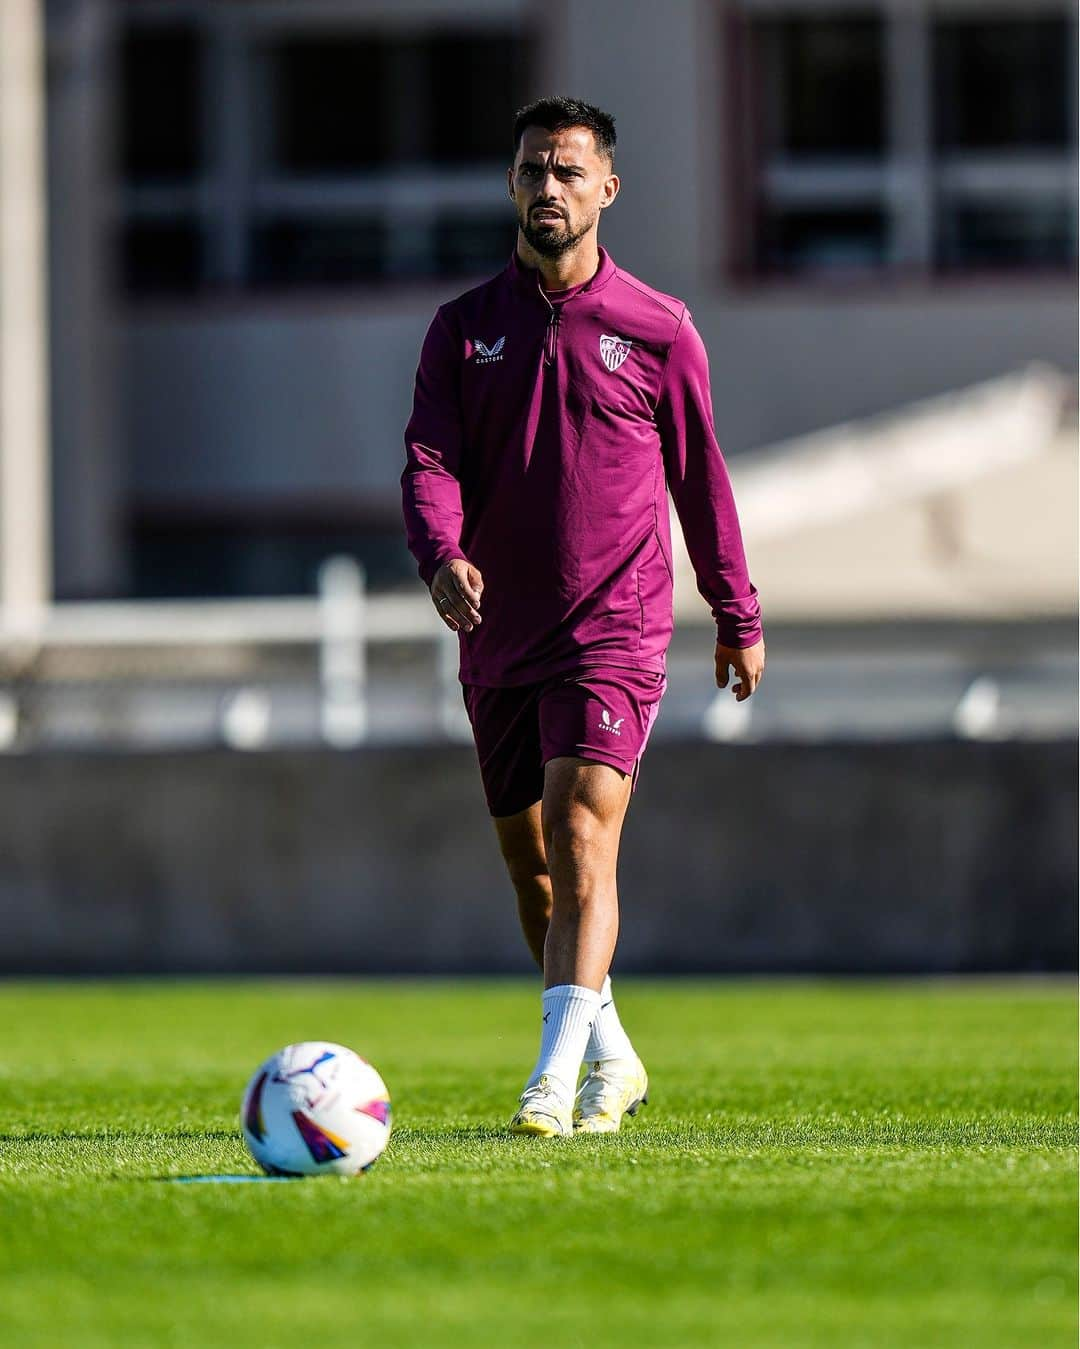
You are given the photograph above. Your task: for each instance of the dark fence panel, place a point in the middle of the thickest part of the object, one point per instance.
(872, 857)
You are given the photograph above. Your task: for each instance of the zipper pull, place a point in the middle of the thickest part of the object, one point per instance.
(551, 337)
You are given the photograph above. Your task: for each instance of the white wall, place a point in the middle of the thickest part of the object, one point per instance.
(269, 405)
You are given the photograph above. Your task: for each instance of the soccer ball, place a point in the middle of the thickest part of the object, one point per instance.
(315, 1107)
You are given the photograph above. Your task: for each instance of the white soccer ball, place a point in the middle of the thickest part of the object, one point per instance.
(316, 1107)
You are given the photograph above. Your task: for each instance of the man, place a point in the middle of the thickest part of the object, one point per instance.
(551, 405)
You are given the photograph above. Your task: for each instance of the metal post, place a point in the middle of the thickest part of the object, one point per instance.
(342, 653)
(25, 544)
(977, 716)
(911, 186)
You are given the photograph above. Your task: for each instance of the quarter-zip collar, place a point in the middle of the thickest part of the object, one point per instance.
(529, 281)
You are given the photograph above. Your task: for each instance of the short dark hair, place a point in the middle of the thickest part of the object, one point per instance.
(558, 114)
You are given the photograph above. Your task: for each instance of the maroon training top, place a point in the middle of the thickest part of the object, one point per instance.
(542, 433)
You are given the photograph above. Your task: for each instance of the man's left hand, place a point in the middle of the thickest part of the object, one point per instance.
(747, 663)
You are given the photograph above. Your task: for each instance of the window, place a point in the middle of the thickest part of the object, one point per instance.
(894, 137)
(1003, 185)
(317, 252)
(328, 104)
(826, 81)
(822, 103)
(348, 103)
(406, 135)
(162, 157)
(464, 244)
(161, 103)
(1000, 83)
(481, 80)
(263, 154)
(805, 240)
(163, 257)
(1035, 233)
(181, 554)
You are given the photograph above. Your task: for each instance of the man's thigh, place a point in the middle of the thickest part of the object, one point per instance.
(506, 728)
(584, 801)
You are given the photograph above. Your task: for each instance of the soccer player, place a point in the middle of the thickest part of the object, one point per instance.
(552, 405)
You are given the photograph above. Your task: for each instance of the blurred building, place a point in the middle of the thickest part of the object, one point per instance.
(257, 204)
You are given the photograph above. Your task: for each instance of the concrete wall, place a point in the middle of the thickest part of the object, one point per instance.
(909, 857)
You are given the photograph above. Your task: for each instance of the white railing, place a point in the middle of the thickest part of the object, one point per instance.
(340, 622)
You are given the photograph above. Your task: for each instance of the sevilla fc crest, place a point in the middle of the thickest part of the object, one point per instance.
(614, 351)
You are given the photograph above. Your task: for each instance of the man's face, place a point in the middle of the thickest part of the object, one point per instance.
(559, 185)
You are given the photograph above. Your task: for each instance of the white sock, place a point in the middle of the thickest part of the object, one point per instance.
(568, 1013)
(607, 1039)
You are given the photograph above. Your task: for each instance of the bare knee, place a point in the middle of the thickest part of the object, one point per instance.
(582, 858)
(521, 843)
(574, 838)
(532, 884)
(583, 810)
(524, 863)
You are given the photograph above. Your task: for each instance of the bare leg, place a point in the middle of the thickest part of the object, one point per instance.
(521, 841)
(582, 813)
(562, 859)
(585, 804)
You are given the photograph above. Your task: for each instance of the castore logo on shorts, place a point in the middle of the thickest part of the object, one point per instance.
(606, 724)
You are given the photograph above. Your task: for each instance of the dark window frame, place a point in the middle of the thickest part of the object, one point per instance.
(745, 153)
(287, 202)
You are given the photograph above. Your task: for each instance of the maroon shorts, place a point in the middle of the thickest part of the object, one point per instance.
(604, 714)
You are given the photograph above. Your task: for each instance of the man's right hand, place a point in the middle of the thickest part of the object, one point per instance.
(456, 592)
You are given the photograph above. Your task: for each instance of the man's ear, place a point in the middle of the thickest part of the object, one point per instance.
(611, 190)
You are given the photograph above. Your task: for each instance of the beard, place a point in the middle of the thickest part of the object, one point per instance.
(551, 241)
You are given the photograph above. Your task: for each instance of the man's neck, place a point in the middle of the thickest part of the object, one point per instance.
(572, 268)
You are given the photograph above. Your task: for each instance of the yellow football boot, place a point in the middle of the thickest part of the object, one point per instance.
(544, 1111)
(610, 1091)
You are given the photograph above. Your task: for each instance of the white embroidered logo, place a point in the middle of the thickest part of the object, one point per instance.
(485, 354)
(607, 724)
(614, 350)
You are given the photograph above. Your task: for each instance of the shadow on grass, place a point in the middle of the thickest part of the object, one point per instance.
(225, 1179)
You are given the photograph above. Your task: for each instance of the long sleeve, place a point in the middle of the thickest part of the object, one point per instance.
(430, 484)
(701, 490)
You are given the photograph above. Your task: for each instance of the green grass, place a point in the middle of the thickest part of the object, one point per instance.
(844, 1164)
